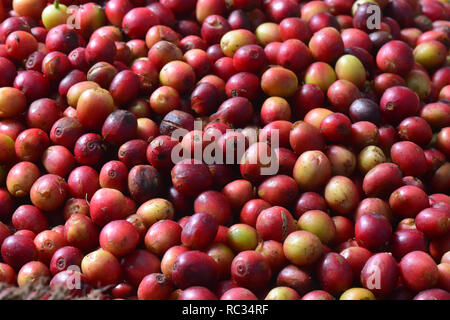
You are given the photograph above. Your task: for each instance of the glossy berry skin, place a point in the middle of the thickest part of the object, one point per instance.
(199, 231)
(294, 55)
(97, 99)
(80, 224)
(215, 204)
(415, 129)
(48, 242)
(243, 84)
(55, 65)
(106, 205)
(49, 192)
(83, 182)
(114, 174)
(334, 273)
(124, 87)
(302, 248)
(405, 241)
(119, 237)
(398, 103)
(89, 149)
(159, 152)
(251, 210)
(318, 295)
(20, 44)
(99, 49)
(162, 236)
(432, 294)
(194, 268)
(137, 21)
(27, 217)
(409, 157)
(132, 152)
(408, 201)
(197, 293)
(65, 257)
(278, 190)
(309, 201)
(326, 45)
(336, 128)
(250, 270)
(373, 231)
(137, 265)
(382, 179)
(33, 84)
(433, 222)
(191, 177)
(58, 160)
(395, 57)
(418, 271)
(116, 10)
(236, 111)
(18, 250)
(155, 286)
(101, 268)
(119, 127)
(30, 144)
(342, 94)
(213, 28)
(275, 223)
(250, 58)
(66, 131)
(204, 99)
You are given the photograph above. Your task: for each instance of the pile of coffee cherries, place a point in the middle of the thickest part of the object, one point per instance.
(349, 99)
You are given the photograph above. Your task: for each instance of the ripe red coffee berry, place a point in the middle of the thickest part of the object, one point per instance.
(199, 231)
(106, 205)
(373, 231)
(194, 268)
(250, 58)
(409, 157)
(408, 201)
(433, 222)
(336, 128)
(395, 57)
(249, 269)
(398, 103)
(119, 237)
(418, 271)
